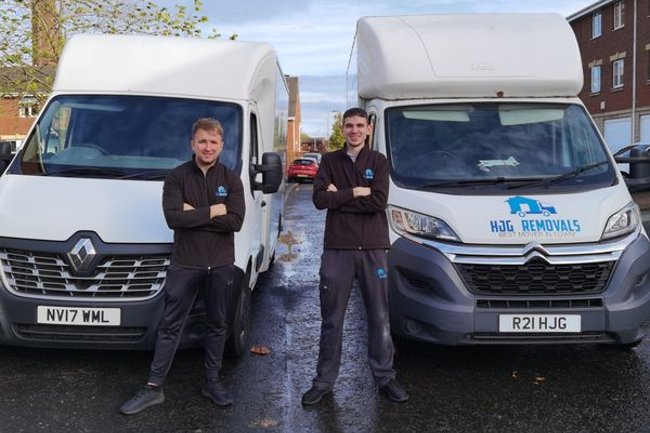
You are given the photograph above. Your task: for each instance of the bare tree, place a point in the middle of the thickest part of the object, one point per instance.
(33, 32)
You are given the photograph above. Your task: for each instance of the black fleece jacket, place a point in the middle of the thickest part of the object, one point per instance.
(353, 223)
(201, 242)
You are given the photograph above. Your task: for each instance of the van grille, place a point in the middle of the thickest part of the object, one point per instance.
(538, 303)
(509, 338)
(80, 334)
(536, 278)
(116, 277)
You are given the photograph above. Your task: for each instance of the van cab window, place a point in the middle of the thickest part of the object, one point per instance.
(117, 136)
(474, 148)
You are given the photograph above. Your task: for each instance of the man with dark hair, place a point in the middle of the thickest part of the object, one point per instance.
(352, 184)
(203, 202)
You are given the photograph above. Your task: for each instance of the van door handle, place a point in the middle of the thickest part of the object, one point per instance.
(263, 203)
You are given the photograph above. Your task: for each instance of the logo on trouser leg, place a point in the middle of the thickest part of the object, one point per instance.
(381, 273)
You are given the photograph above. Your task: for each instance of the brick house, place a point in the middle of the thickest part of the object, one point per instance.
(16, 116)
(614, 40)
(18, 109)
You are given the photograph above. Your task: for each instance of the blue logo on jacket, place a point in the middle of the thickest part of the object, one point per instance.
(369, 174)
(381, 273)
(222, 191)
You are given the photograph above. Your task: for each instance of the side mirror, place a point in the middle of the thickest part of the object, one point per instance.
(639, 160)
(5, 155)
(271, 169)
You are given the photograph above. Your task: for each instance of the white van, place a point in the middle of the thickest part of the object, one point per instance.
(84, 246)
(510, 222)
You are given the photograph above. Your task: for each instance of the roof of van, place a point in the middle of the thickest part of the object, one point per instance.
(468, 55)
(161, 65)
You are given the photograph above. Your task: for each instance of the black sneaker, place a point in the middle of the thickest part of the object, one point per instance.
(314, 395)
(394, 392)
(149, 395)
(215, 391)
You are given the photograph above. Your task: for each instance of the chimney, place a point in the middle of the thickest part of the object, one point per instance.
(46, 33)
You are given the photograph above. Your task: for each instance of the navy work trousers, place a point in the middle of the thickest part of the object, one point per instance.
(180, 291)
(338, 270)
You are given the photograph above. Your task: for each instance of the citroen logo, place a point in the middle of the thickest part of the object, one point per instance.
(82, 254)
(535, 250)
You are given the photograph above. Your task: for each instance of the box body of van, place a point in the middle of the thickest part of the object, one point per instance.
(84, 246)
(510, 222)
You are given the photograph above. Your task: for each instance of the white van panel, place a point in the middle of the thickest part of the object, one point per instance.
(473, 55)
(189, 67)
(55, 208)
(518, 219)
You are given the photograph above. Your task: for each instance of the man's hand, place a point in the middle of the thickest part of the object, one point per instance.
(360, 191)
(218, 210)
(187, 206)
(331, 188)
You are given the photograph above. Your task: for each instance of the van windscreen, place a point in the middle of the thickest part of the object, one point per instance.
(474, 147)
(118, 136)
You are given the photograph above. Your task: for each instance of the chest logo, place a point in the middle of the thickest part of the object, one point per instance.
(369, 174)
(222, 191)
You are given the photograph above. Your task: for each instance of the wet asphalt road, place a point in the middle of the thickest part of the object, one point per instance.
(466, 389)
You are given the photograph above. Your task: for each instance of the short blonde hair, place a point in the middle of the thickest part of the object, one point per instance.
(207, 124)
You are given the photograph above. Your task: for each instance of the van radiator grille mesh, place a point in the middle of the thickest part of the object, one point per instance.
(49, 275)
(536, 278)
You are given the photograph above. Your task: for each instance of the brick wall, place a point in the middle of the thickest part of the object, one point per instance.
(10, 123)
(612, 45)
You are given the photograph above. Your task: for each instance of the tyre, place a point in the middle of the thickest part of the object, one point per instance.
(238, 341)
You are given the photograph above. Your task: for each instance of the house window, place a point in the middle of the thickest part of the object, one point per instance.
(619, 15)
(27, 107)
(596, 24)
(617, 75)
(26, 111)
(595, 79)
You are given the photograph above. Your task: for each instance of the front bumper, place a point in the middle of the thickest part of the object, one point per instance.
(128, 277)
(430, 301)
(137, 330)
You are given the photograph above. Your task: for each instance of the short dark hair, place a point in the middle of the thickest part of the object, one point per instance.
(355, 112)
(207, 124)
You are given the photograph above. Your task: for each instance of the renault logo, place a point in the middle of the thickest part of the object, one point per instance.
(82, 254)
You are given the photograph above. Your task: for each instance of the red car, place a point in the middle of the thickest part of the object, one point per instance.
(302, 169)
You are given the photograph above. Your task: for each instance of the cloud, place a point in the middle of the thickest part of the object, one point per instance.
(320, 97)
(314, 37)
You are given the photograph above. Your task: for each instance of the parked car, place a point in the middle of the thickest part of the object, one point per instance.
(317, 156)
(302, 168)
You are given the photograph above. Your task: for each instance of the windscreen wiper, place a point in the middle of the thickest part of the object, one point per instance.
(85, 172)
(147, 175)
(564, 176)
(466, 182)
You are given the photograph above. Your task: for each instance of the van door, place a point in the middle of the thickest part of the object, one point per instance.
(257, 211)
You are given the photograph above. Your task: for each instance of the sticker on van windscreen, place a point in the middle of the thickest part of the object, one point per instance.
(532, 218)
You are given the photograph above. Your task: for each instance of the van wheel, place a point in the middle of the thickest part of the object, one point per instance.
(236, 344)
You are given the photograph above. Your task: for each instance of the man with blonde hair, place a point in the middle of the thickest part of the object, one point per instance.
(203, 202)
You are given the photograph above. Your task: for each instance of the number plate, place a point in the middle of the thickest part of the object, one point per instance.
(78, 316)
(542, 323)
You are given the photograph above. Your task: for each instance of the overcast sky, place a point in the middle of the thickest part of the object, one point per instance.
(314, 37)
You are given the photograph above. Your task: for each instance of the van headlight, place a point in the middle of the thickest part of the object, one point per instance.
(622, 222)
(404, 221)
